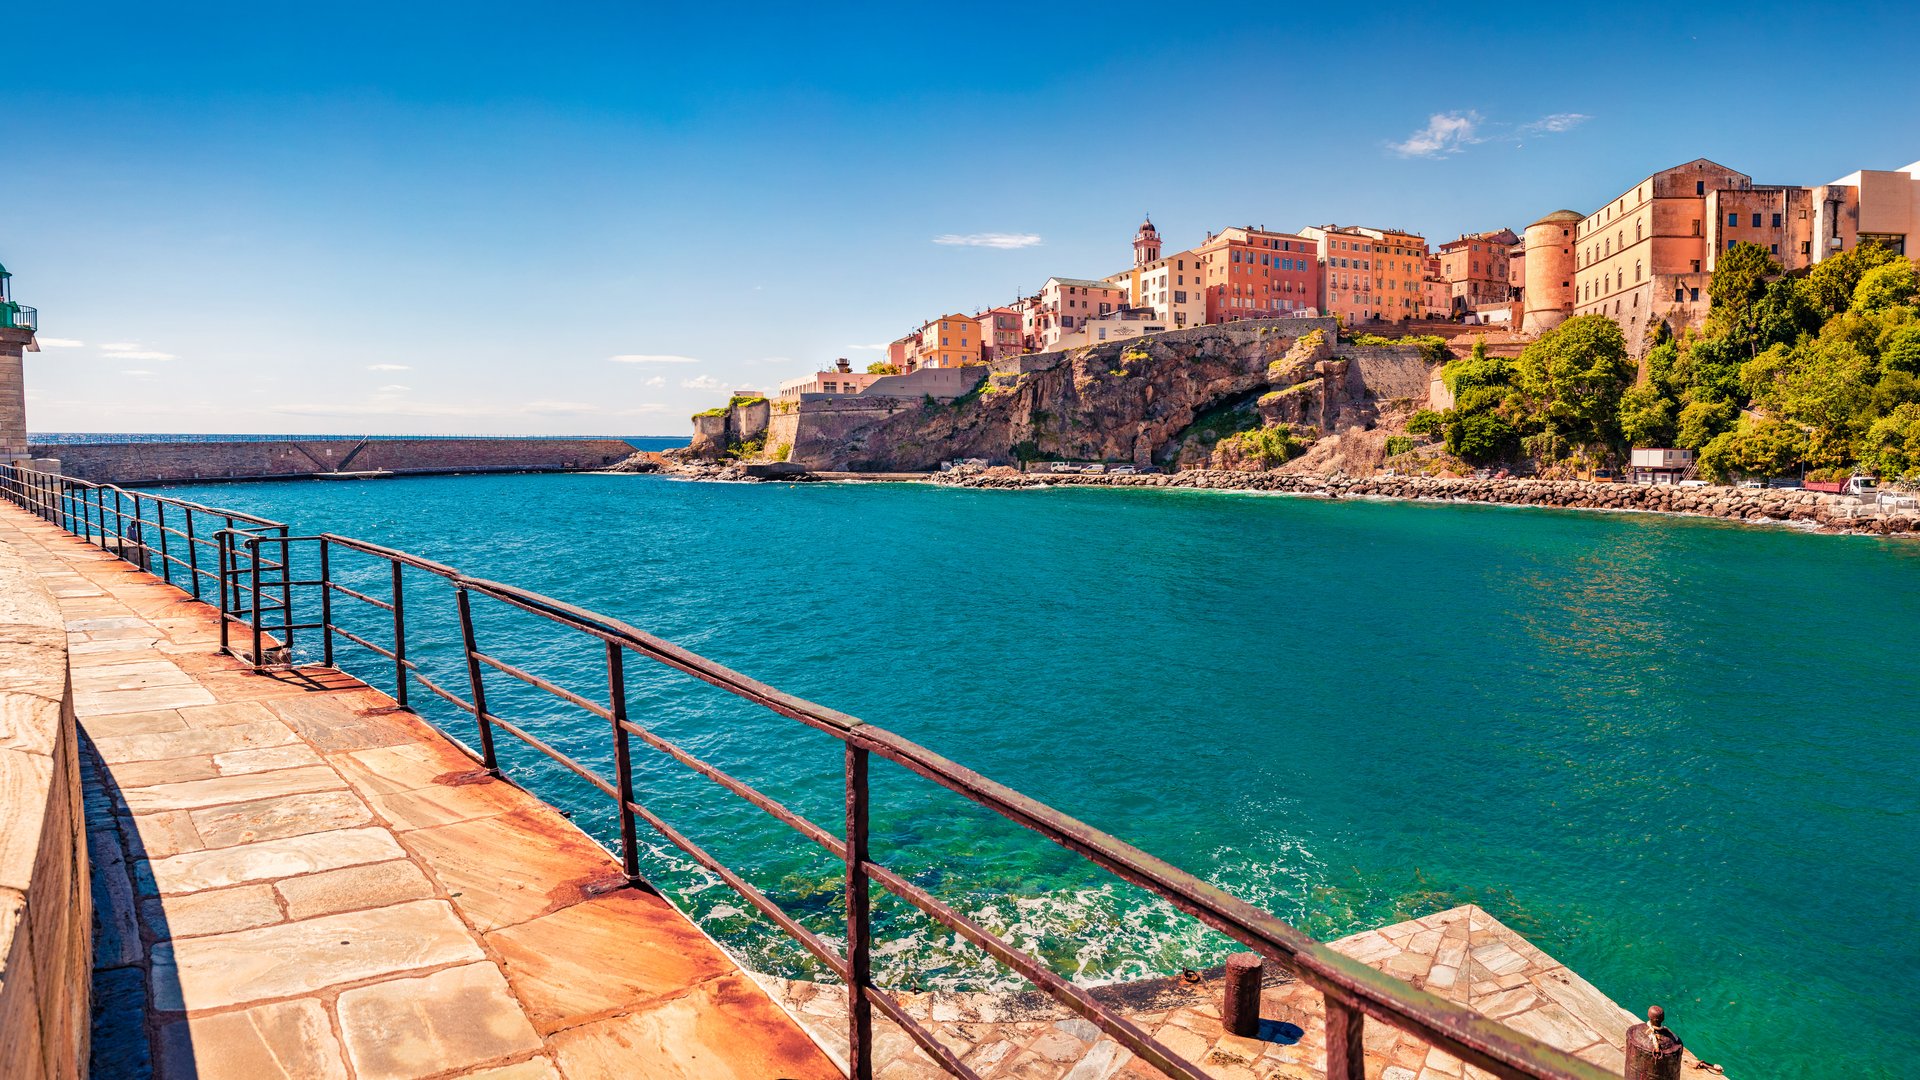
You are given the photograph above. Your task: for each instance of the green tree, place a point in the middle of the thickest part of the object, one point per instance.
(1571, 379)
(1893, 285)
(1740, 278)
(1647, 416)
(881, 367)
(1480, 437)
(1900, 349)
(1827, 387)
(1829, 287)
(1701, 421)
(1891, 448)
(1770, 448)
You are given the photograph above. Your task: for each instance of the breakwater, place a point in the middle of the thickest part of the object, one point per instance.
(1840, 513)
(286, 459)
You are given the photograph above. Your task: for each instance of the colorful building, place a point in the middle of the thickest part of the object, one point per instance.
(1167, 285)
(1064, 303)
(946, 342)
(1477, 267)
(1249, 273)
(1399, 273)
(1346, 271)
(841, 379)
(999, 333)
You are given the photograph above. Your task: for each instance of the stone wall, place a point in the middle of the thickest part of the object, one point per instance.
(165, 462)
(46, 905)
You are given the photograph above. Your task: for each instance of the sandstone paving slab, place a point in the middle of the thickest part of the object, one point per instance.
(393, 769)
(226, 712)
(193, 742)
(280, 816)
(445, 804)
(139, 774)
(219, 911)
(197, 794)
(296, 958)
(724, 1029)
(514, 867)
(108, 702)
(101, 727)
(353, 888)
(407, 1028)
(291, 1040)
(156, 836)
(604, 954)
(217, 868)
(264, 758)
(346, 721)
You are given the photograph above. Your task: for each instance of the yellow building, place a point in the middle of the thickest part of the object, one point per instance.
(946, 342)
(1399, 274)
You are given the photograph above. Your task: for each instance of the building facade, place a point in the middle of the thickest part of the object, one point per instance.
(999, 333)
(1399, 273)
(1477, 268)
(946, 342)
(1249, 273)
(1549, 264)
(1064, 303)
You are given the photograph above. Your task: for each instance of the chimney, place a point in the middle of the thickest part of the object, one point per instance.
(842, 366)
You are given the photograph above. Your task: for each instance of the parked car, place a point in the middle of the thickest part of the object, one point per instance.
(1751, 484)
(1121, 470)
(1693, 483)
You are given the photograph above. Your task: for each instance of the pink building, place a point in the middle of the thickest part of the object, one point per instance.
(1065, 303)
(1000, 333)
(1250, 273)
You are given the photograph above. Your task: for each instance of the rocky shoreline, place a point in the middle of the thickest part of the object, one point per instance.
(1808, 509)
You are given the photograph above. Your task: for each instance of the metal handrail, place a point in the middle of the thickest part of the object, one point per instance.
(1352, 990)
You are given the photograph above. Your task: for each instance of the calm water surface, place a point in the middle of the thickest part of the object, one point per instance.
(1679, 755)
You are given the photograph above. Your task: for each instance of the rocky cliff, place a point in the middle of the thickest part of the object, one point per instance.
(1166, 399)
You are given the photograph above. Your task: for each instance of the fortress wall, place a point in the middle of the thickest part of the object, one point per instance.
(171, 462)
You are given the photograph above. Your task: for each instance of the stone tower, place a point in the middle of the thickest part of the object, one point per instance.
(1146, 244)
(17, 324)
(1548, 298)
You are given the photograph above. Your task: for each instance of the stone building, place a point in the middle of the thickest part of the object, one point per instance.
(1252, 273)
(1475, 268)
(17, 325)
(1548, 297)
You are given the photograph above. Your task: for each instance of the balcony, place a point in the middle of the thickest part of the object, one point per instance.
(18, 317)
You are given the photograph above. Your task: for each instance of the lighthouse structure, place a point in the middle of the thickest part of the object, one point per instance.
(17, 325)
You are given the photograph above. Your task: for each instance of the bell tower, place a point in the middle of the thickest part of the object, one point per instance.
(17, 324)
(1146, 244)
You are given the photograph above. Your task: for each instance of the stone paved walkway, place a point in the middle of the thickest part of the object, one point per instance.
(294, 878)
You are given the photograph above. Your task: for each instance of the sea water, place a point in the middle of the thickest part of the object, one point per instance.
(1679, 755)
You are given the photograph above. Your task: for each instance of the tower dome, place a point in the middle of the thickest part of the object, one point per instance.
(1146, 243)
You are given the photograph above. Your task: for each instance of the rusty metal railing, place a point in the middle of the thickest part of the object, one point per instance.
(258, 590)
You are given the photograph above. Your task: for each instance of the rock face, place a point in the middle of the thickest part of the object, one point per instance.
(1838, 513)
(1155, 400)
(716, 434)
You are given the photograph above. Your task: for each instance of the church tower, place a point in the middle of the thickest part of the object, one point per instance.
(1146, 244)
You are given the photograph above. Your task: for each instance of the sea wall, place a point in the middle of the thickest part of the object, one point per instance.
(164, 462)
(1842, 513)
(46, 904)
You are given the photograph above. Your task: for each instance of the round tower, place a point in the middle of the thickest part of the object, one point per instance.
(17, 324)
(1146, 244)
(1548, 298)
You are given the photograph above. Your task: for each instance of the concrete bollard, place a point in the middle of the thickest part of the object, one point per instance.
(1653, 1052)
(1240, 1011)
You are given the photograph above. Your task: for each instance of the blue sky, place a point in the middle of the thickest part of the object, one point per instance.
(451, 218)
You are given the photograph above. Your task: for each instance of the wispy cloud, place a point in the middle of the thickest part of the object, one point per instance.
(1001, 240)
(388, 367)
(702, 382)
(657, 380)
(653, 358)
(132, 350)
(1448, 133)
(60, 343)
(395, 388)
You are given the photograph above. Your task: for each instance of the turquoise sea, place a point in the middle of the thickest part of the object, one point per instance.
(1679, 755)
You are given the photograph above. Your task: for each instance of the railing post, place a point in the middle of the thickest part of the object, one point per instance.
(326, 605)
(859, 929)
(399, 639)
(119, 526)
(100, 506)
(1653, 1052)
(1346, 1052)
(622, 761)
(253, 568)
(479, 687)
(166, 561)
(1240, 1008)
(193, 555)
(223, 545)
(286, 594)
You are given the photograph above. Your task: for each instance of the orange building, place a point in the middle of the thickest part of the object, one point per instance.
(1065, 303)
(1249, 273)
(1477, 269)
(946, 342)
(1346, 271)
(1399, 274)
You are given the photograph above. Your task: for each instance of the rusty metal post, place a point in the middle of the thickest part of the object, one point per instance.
(1653, 1052)
(1346, 1052)
(326, 605)
(399, 638)
(193, 555)
(479, 686)
(223, 543)
(859, 928)
(1240, 1008)
(253, 596)
(622, 761)
(166, 559)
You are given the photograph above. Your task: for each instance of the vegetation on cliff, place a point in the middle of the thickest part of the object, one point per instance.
(1819, 370)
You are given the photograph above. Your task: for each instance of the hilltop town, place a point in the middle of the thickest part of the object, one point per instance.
(1601, 344)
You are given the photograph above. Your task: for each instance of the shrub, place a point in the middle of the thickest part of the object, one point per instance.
(1426, 422)
(1269, 446)
(1400, 444)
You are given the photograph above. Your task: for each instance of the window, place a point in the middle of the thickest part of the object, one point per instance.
(1730, 245)
(1775, 248)
(1756, 221)
(1636, 269)
(1806, 247)
(1679, 296)
(1694, 295)
(1696, 226)
(1699, 187)
(1776, 221)
(1696, 265)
